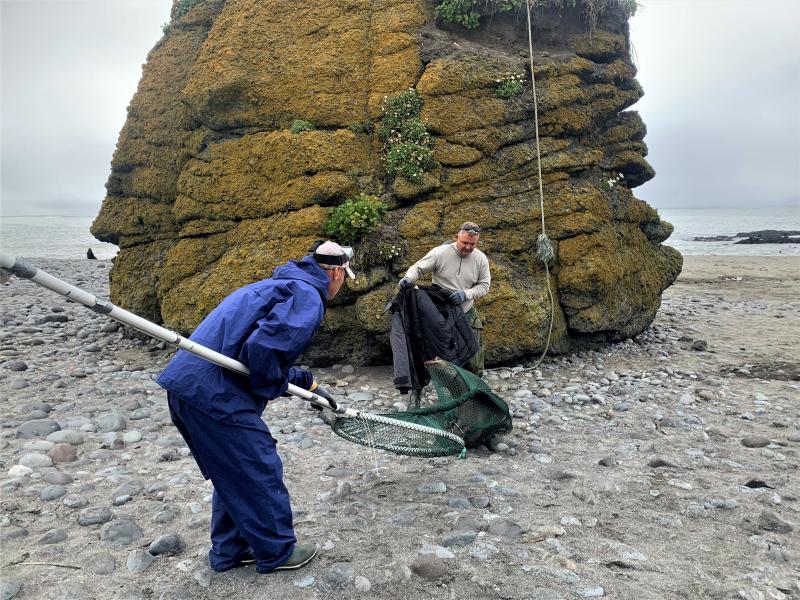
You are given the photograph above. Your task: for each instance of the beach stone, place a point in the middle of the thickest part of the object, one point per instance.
(595, 591)
(484, 550)
(132, 487)
(54, 536)
(35, 460)
(111, 422)
(37, 428)
(19, 471)
(779, 556)
(53, 318)
(458, 502)
(429, 567)
(9, 588)
(558, 574)
(63, 453)
(94, 515)
(433, 487)
(755, 441)
(168, 544)
(439, 551)
(139, 560)
(769, 521)
(131, 437)
(164, 516)
(140, 413)
(459, 538)
(38, 446)
(177, 593)
(700, 345)
(304, 582)
(659, 461)
(505, 528)
(362, 584)
(52, 492)
(100, 563)
(56, 477)
(66, 436)
(12, 532)
(626, 552)
(74, 501)
(18, 383)
(16, 365)
(339, 574)
(120, 532)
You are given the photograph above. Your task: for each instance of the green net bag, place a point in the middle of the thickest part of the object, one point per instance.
(466, 408)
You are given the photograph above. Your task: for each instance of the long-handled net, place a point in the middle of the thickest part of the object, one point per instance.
(466, 408)
(377, 431)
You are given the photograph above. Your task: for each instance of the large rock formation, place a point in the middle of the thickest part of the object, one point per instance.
(209, 189)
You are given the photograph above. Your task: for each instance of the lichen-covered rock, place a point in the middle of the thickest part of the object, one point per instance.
(210, 190)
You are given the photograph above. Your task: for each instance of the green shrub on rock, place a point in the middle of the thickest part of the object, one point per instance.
(399, 109)
(408, 145)
(354, 218)
(184, 6)
(510, 85)
(409, 160)
(299, 126)
(461, 12)
(468, 13)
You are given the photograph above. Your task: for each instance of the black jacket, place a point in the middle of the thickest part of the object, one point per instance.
(426, 326)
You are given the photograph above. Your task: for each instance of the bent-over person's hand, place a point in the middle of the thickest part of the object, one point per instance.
(321, 391)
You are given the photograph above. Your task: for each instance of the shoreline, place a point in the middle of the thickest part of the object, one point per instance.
(640, 459)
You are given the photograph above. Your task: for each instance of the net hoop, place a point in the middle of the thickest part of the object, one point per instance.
(443, 443)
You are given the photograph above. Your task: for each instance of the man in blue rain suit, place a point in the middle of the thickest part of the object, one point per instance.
(266, 326)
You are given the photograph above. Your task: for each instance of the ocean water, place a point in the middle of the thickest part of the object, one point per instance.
(69, 237)
(51, 237)
(706, 222)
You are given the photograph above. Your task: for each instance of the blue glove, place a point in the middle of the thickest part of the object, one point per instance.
(405, 282)
(458, 297)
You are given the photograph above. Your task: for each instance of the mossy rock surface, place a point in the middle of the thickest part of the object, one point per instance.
(210, 190)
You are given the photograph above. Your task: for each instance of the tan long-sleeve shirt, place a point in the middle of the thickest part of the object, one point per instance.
(453, 271)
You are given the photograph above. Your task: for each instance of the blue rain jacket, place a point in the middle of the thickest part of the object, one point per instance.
(265, 325)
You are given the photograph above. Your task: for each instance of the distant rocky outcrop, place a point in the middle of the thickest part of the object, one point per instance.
(210, 190)
(769, 236)
(765, 236)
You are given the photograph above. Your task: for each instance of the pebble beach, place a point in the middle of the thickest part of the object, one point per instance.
(664, 466)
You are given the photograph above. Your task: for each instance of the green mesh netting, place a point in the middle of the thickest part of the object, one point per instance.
(466, 407)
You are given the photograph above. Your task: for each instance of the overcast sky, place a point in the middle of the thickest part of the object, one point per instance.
(721, 77)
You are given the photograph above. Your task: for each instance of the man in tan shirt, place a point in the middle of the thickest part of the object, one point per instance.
(462, 268)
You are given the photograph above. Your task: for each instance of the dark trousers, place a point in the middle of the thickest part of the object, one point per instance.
(250, 508)
(476, 363)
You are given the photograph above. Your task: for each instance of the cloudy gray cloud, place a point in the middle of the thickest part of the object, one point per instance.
(720, 76)
(69, 69)
(722, 87)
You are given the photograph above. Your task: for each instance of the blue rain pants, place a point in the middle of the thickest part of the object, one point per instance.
(250, 511)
